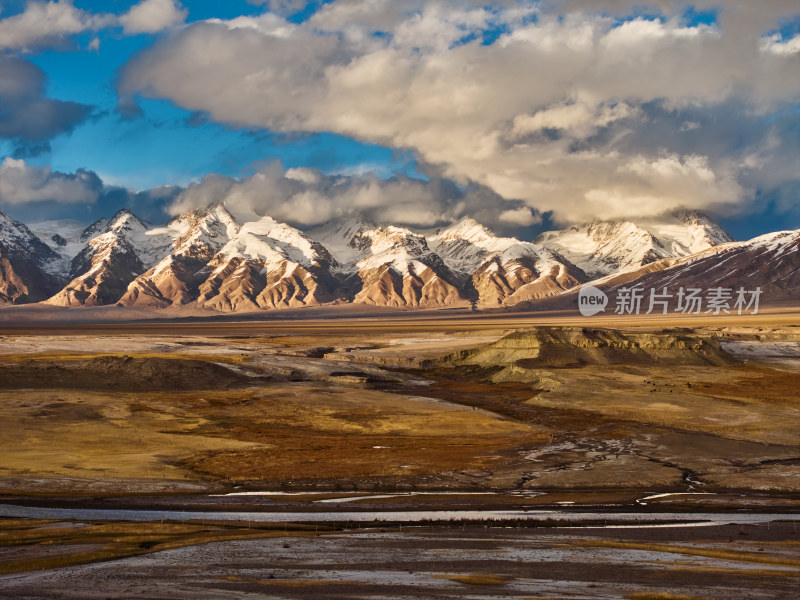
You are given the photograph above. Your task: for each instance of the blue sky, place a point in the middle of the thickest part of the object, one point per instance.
(168, 144)
(690, 128)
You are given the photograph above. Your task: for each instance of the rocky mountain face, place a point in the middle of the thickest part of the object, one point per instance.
(389, 266)
(175, 278)
(112, 257)
(210, 260)
(267, 264)
(604, 247)
(764, 270)
(502, 271)
(24, 258)
(770, 262)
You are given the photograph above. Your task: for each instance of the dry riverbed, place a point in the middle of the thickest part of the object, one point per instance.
(729, 562)
(457, 415)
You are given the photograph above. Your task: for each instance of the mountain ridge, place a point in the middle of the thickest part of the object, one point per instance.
(604, 247)
(208, 259)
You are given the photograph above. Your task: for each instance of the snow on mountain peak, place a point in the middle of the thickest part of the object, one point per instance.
(467, 229)
(466, 245)
(256, 261)
(604, 247)
(340, 237)
(125, 220)
(394, 246)
(271, 242)
(17, 238)
(203, 232)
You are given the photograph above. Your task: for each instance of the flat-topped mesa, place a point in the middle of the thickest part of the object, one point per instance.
(559, 347)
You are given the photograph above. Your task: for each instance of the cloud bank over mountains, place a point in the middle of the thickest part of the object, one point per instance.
(301, 196)
(306, 197)
(560, 104)
(21, 183)
(513, 110)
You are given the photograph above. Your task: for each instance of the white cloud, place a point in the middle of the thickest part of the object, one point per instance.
(307, 197)
(522, 217)
(44, 24)
(52, 23)
(150, 16)
(775, 44)
(282, 7)
(21, 183)
(551, 112)
(668, 182)
(580, 119)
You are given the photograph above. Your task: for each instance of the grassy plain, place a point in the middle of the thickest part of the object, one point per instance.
(380, 403)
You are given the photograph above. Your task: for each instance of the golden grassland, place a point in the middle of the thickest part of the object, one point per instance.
(74, 357)
(41, 544)
(738, 402)
(308, 430)
(280, 432)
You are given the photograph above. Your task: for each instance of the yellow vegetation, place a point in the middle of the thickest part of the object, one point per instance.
(119, 540)
(694, 551)
(476, 579)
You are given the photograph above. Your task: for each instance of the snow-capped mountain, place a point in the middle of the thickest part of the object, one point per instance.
(768, 265)
(397, 268)
(502, 270)
(464, 263)
(601, 248)
(116, 253)
(208, 259)
(196, 238)
(268, 264)
(466, 244)
(64, 239)
(388, 266)
(343, 239)
(24, 259)
(770, 262)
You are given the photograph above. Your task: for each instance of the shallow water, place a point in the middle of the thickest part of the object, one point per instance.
(414, 516)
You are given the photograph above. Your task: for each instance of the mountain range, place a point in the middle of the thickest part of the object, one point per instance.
(209, 259)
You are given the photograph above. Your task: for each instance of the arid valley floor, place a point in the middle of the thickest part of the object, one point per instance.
(309, 457)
